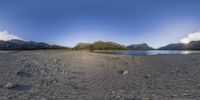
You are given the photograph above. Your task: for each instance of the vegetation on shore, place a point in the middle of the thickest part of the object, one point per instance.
(142, 46)
(100, 45)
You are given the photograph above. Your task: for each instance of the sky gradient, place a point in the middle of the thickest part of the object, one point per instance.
(68, 22)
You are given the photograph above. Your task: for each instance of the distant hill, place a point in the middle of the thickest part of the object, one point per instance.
(193, 45)
(100, 45)
(25, 45)
(178, 46)
(142, 46)
(83, 46)
(57, 47)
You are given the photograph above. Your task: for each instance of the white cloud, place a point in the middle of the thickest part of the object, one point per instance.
(191, 37)
(5, 36)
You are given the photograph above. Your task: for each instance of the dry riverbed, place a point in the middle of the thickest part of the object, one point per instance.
(63, 75)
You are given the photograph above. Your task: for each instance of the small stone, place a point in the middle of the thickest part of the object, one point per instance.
(113, 92)
(186, 94)
(173, 96)
(145, 98)
(27, 65)
(9, 85)
(177, 70)
(57, 60)
(36, 63)
(147, 76)
(172, 72)
(117, 96)
(123, 72)
(43, 98)
(23, 74)
(187, 91)
(185, 72)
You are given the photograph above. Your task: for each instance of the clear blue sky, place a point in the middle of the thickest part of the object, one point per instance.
(68, 22)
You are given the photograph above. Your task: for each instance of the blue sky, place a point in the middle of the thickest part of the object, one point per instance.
(68, 22)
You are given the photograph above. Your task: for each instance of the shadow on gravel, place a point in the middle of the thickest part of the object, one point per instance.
(19, 87)
(23, 74)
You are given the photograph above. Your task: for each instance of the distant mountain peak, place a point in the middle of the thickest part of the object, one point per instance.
(193, 45)
(16, 44)
(142, 46)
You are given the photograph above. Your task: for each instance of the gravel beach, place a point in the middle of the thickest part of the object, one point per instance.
(79, 75)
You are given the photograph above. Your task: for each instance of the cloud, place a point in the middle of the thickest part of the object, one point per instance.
(191, 37)
(5, 36)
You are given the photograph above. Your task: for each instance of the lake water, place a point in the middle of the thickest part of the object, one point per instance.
(148, 52)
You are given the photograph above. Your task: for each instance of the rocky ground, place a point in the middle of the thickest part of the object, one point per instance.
(63, 75)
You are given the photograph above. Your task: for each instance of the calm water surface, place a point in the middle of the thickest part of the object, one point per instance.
(148, 52)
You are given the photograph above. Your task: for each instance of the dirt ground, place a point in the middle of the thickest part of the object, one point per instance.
(76, 75)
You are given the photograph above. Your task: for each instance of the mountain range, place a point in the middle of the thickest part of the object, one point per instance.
(142, 46)
(193, 45)
(26, 45)
(99, 45)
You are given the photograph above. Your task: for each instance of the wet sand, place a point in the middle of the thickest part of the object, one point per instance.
(77, 75)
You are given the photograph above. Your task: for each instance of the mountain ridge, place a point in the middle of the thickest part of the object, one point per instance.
(142, 46)
(193, 45)
(98, 45)
(16, 44)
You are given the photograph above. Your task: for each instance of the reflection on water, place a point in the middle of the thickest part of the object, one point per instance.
(148, 52)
